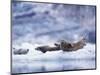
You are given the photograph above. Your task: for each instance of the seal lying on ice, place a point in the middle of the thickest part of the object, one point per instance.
(65, 46)
(20, 51)
(72, 46)
(47, 48)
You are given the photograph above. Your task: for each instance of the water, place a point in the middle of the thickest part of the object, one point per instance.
(55, 65)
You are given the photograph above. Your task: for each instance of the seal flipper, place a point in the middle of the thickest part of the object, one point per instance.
(43, 51)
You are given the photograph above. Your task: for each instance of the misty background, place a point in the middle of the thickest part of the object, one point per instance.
(52, 22)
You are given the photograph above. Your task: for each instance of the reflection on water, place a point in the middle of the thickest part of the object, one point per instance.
(53, 65)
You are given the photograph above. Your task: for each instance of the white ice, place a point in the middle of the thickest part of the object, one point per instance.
(36, 61)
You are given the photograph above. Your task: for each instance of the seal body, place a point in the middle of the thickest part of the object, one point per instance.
(72, 46)
(47, 48)
(20, 51)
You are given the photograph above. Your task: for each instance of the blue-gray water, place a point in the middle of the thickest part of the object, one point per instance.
(45, 66)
